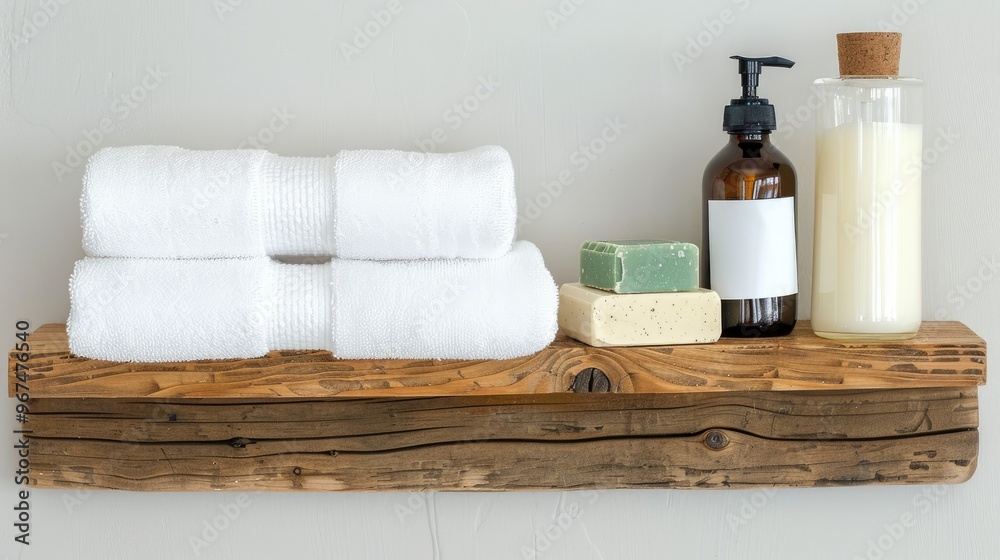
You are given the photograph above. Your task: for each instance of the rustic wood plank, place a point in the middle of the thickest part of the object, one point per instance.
(810, 438)
(943, 354)
(377, 423)
(792, 411)
(668, 462)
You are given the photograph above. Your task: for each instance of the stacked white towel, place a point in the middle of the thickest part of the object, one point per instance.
(459, 308)
(168, 202)
(162, 310)
(413, 257)
(414, 205)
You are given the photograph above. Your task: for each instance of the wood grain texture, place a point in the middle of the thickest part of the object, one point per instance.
(707, 440)
(788, 415)
(943, 354)
(663, 462)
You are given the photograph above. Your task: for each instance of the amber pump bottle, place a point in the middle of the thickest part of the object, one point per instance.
(749, 216)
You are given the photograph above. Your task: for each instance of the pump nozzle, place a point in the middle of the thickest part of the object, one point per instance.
(749, 113)
(749, 69)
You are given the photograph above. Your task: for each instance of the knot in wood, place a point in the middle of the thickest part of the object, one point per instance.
(296, 471)
(716, 439)
(591, 380)
(240, 442)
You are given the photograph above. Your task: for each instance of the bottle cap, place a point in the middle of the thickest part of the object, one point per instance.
(869, 54)
(751, 114)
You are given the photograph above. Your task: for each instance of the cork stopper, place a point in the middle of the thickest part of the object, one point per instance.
(869, 54)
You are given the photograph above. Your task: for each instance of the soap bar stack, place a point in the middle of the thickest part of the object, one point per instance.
(370, 254)
(639, 293)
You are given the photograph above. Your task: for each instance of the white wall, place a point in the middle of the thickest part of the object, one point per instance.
(226, 72)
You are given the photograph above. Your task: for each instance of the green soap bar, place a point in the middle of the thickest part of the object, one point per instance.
(640, 266)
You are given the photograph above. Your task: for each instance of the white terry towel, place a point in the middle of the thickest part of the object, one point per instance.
(461, 309)
(162, 310)
(168, 202)
(411, 205)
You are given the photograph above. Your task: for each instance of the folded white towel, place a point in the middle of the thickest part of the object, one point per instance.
(461, 309)
(168, 202)
(162, 310)
(411, 205)
(148, 310)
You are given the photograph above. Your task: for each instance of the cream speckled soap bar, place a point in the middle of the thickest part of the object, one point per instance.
(599, 318)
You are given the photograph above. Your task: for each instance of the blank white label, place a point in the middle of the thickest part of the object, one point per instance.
(752, 248)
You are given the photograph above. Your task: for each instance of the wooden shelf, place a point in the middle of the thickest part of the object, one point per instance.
(791, 411)
(943, 354)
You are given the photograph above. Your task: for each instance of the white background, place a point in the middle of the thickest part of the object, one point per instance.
(559, 83)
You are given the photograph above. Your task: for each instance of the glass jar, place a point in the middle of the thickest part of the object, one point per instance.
(866, 253)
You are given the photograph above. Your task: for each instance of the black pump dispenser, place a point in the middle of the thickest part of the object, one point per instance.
(751, 114)
(748, 217)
